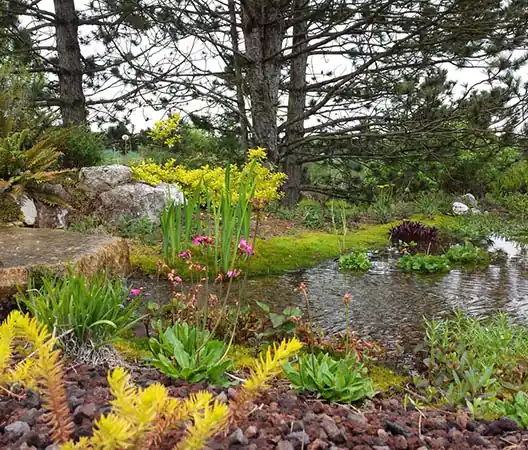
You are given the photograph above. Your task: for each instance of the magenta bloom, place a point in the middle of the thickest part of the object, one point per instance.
(135, 292)
(219, 278)
(185, 255)
(245, 247)
(233, 273)
(202, 240)
(174, 278)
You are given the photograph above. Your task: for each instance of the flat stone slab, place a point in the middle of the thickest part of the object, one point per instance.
(38, 250)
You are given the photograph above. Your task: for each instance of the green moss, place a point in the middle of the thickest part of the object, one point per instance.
(9, 209)
(281, 254)
(385, 379)
(131, 350)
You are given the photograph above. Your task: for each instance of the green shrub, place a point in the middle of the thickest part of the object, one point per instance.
(79, 146)
(93, 310)
(467, 356)
(343, 381)
(356, 260)
(311, 213)
(467, 254)
(138, 228)
(182, 351)
(423, 263)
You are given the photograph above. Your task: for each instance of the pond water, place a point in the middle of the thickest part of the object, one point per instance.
(390, 305)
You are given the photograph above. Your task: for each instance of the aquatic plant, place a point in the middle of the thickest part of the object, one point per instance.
(356, 260)
(344, 380)
(467, 356)
(423, 263)
(467, 254)
(416, 234)
(82, 310)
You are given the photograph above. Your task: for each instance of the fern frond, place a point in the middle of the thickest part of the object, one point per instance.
(51, 382)
(113, 433)
(206, 423)
(269, 366)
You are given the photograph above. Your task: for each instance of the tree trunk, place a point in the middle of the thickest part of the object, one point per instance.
(239, 80)
(71, 95)
(263, 25)
(294, 129)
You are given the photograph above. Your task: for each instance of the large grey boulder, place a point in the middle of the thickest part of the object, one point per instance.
(104, 178)
(469, 199)
(138, 200)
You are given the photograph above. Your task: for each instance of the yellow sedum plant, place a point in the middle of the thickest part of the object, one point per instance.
(212, 179)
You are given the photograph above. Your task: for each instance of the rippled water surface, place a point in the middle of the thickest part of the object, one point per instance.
(389, 305)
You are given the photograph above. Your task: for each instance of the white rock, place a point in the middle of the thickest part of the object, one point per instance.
(469, 199)
(460, 209)
(104, 178)
(29, 210)
(476, 211)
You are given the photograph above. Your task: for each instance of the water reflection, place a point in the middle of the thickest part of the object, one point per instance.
(390, 305)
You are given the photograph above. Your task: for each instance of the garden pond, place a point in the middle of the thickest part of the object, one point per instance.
(388, 304)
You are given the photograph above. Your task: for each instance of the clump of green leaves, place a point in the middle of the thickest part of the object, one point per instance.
(493, 408)
(282, 324)
(356, 260)
(93, 310)
(467, 254)
(344, 380)
(423, 263)
(467, 357)
(182, 351)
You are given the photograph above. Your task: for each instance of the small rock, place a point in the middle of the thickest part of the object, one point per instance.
(333, 431)
(382, 434)
(299, 439)
(17, 429)
(222, 397)
(39, 440)
(318, 407)
(460, 209)
(284, 445)
(501, 426)
(31, 416)
(318, 444)
(400, 443)
(297, 425)
(25, 446)
(251, 431)
(29, 210)
(380, 447)
(252, 447)
(52, 447)
(32, 400)
(287, 401)
(469, 199)
(309, 416)
(88, 411)
(396, 428)
(231, 393)
(237, 437)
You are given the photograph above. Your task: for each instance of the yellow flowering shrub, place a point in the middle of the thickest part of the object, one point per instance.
(267, 182)
(166, 131)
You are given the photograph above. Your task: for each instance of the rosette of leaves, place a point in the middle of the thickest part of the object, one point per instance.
(356, 260)
(183, 351)
(343, 380)
(421, 236)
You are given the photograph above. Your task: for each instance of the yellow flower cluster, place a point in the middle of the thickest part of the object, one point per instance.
(212, 179)
(166, 131)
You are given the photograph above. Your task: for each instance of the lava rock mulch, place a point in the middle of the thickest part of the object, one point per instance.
(280, 420)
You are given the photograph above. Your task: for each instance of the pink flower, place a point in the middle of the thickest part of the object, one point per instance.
(245, 247)
(347, 298)
(202, 240)
(174, 278)
(233, 273)
(135, 292)
(219, 278)
(185, 255)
